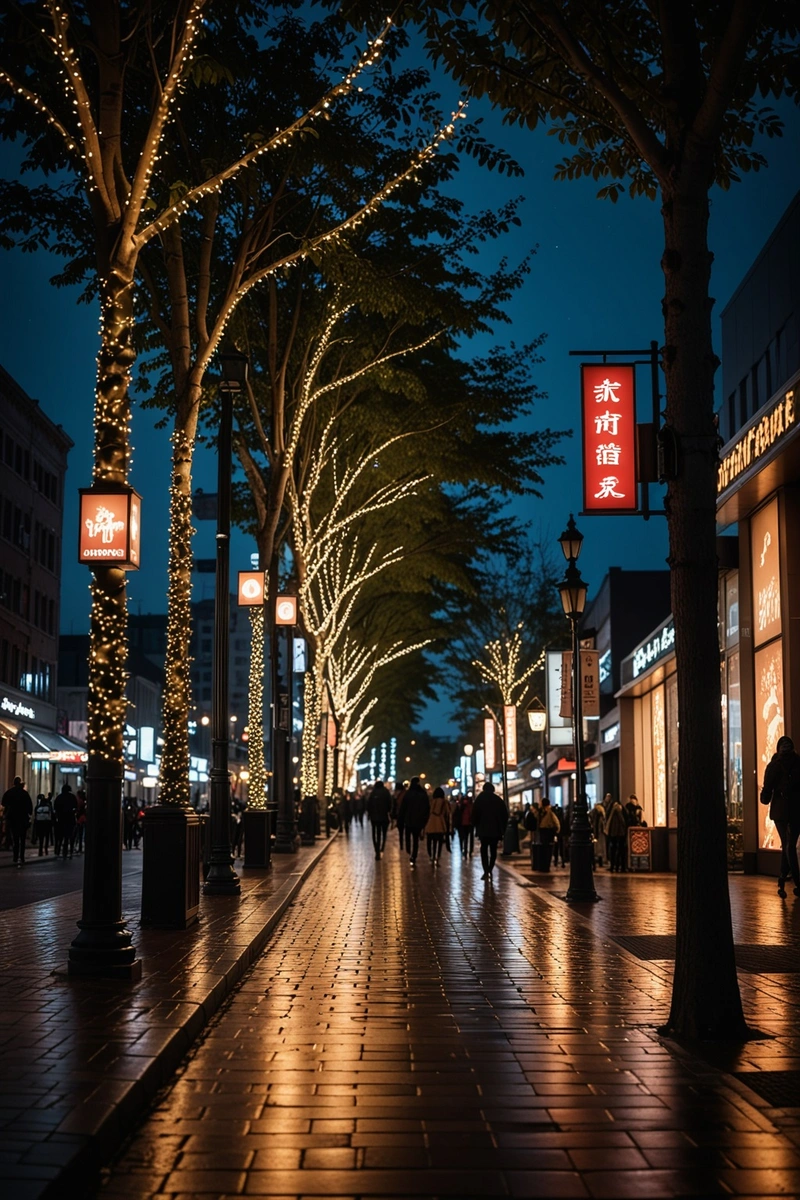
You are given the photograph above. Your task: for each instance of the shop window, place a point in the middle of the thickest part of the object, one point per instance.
(764, 543)
(769, 726)
(672, 749)
(734, 709)
(731, 609)
(659, 757)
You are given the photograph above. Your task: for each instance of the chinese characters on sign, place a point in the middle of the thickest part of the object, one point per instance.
(609, 437)
(590, 683)
(510, 733)
(489, 744)
(110, 527)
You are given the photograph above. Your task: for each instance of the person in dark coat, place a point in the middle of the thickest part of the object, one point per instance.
(379, 811)
(18, 810)
(416, 810)
(781, 791)
(66, 806)
(42, 823)
(490, 817)
(397, 812)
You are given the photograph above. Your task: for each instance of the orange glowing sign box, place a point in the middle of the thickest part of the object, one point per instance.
(110, 527)
(286, 610)
(251, 588)
(608, 393)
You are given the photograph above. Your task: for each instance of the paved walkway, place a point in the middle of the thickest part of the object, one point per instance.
(427, 1034)
(82, 1059)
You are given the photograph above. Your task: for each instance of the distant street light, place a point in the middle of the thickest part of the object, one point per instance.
(572, 590)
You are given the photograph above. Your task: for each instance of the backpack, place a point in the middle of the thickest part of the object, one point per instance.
(43, 812)
(530, 821)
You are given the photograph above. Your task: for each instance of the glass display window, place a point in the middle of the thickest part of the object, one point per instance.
(672, 748)
(731, 609)
(734, 739)
(659, 732)
(769, 726)
(766, 571)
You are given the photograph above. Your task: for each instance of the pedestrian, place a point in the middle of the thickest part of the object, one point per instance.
(18, 810)
(616, 831)
(237, 828)
(781, 791)
(398, 815)
(65, 808)
(80, 820)
(490, 817)
(128, 823)
(379, 812)
(43, 823)
(549, 829)
(359, 808)
(633, 812)
(465, 827)
(346, 812)
(437, 826)
(557, 842)
(597, 820)
(416, 808)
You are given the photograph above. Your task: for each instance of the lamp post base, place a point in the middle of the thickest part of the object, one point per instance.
(581, 876)
(222, 880)
(104, 952)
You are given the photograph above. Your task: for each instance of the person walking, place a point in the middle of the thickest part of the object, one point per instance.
(437, 825)
(379, 813)
(549, 829)
(18, 809)
(464, 825)
(781, 791)
(43, 823)
(597, 820)
(490, 817)
(416, 808)
(398, 815)
(616, 831)
(129, 818)
(66, 807)
(80, 820)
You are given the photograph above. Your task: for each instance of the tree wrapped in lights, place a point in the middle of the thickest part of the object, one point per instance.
(504, 665)
(257, 790)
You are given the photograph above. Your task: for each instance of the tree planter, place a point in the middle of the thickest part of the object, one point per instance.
(171, 868)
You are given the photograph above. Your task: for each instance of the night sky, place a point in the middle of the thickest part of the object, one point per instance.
(596, 282)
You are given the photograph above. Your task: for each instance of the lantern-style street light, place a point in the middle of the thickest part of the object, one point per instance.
(572, 590)
(468, 752)
(222, 880)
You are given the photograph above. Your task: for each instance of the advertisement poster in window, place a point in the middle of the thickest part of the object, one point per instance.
(766, 574)
(659, 757)
(769, 727)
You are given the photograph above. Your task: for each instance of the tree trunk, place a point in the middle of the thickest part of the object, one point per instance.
(705, 999)
(177, 698)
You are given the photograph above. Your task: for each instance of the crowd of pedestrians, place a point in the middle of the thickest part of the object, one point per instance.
(61, 820)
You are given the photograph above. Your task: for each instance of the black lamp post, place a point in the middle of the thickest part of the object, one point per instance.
(222, 880)
(572, 590)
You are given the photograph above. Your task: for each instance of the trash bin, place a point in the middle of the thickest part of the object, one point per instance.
(537, 856)
(511, 839)
(257, 837)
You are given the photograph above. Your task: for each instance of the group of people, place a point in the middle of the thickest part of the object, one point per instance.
(62, 819)
(435, 817)
(610, 820)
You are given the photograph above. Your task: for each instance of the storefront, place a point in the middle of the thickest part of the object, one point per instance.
(31, 748)
(759, 492)
(648, 737)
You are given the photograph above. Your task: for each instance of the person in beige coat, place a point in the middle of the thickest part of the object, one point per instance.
(438, 826)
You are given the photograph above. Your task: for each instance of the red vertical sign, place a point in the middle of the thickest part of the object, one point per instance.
(510, 733)
(608, 393)
(489, 750)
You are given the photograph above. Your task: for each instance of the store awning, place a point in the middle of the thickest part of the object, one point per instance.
(46, 741)
(566, 765)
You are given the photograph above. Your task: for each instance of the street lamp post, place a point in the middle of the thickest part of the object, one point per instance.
(537, 722)
(572, 590)
(222, 880)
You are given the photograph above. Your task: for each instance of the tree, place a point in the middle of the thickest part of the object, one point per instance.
(664, 99)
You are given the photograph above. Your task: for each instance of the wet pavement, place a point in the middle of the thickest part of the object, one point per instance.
(425, 1033)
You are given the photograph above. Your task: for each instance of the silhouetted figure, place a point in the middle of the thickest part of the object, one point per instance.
(18, 808)
(379, 811)
(490, 817)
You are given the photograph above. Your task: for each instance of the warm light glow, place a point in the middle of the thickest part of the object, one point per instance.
(205, 720)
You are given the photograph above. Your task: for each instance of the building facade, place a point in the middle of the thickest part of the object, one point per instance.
(33, 453)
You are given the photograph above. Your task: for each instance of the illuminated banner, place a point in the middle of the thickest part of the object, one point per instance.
(590, 683)
(251, 588)
(608, 393)
(110, 527)
(490, 754)
(286, 610)
(510, 733)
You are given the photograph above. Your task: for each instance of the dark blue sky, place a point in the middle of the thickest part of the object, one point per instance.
(596, 282)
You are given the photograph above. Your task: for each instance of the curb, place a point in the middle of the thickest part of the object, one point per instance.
(92, 1150)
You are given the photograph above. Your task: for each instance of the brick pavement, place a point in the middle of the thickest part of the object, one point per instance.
(82, 1059)
(427, 1034)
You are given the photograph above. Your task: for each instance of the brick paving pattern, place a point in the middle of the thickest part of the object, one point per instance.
(427, 1034)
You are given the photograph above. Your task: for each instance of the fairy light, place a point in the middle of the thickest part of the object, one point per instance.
(257, 792)
(504, 666)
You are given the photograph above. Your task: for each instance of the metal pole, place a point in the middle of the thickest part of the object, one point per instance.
(581, 850)
(222, 880)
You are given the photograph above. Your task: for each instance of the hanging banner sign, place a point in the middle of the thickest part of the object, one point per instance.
(110, 527)
(608, 395)
(510, 733)
(286, 610)
(590, 683)
(559, 729)
(489, 750)
(251, 588)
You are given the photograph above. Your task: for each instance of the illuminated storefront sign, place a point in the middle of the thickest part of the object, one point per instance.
(251, 588)
(654, 649)
(610, 735)
(17, 708)
(510, 733)
(605, 666)
(608, 394)
(489, 750)
(757, 441)
(110, 527)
